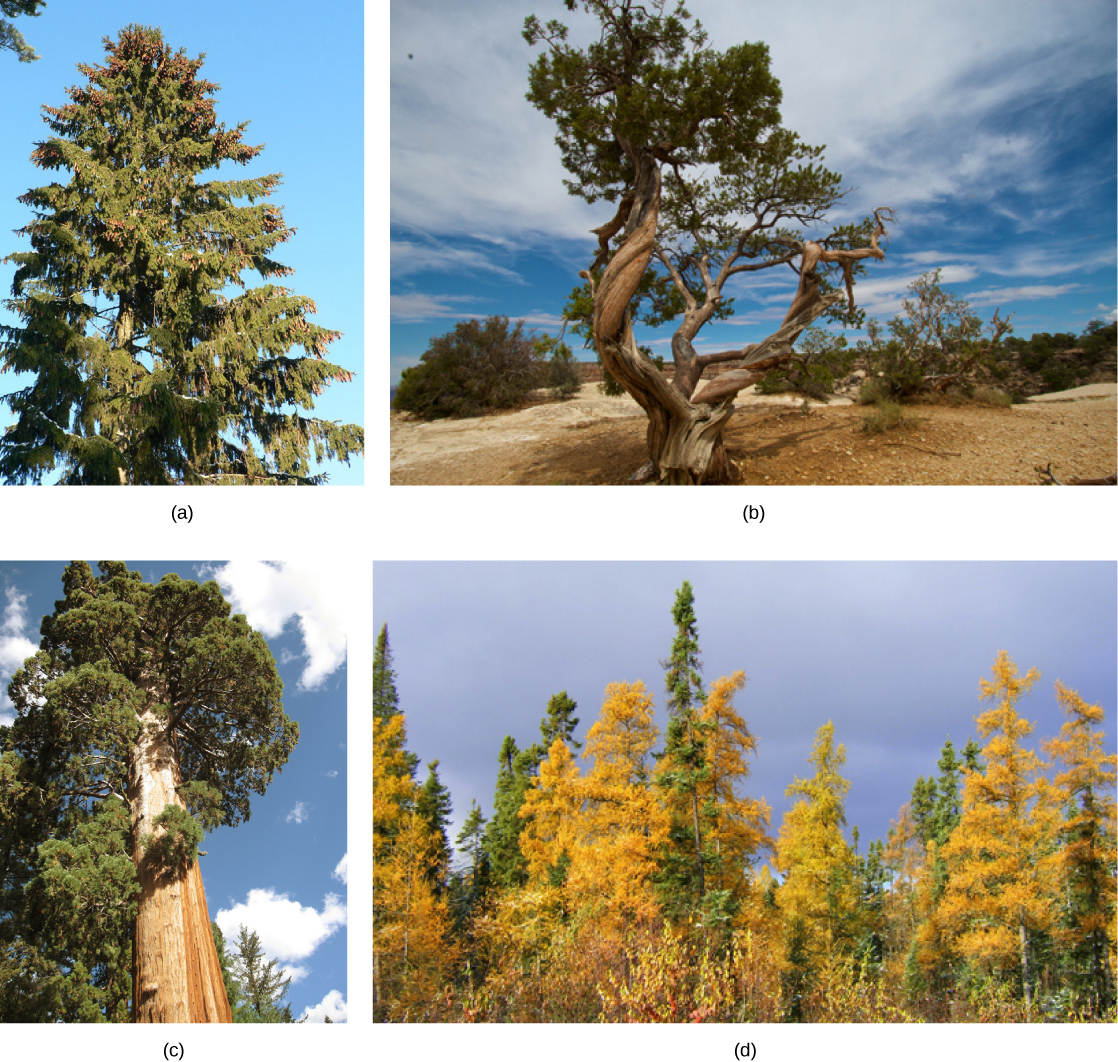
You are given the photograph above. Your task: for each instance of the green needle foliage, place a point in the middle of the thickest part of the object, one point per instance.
(154, 361)
(117, 649)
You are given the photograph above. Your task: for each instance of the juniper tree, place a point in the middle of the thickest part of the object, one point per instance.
(148, 716)
(147, 370)
(644, 114)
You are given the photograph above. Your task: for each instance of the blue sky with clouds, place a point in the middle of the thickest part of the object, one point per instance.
(989, 128)
(295, 76)
(892, 653)
(284, 872)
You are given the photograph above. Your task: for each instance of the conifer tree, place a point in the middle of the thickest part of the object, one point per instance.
(1085, 783)
(147, 716)
(1000, 858)
(624, 824)
(385, 699)
(261, 985)
(559, 722)
(145, 370)
(502, 836)
(683, 768)
(814, 857)
(433, 804)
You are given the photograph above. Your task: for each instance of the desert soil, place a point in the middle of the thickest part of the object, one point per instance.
(594, 439)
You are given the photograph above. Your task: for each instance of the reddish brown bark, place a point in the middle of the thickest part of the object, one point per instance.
(176, 974)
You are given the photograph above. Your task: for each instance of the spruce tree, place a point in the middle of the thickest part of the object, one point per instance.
(145, 370)
(147, 716)
(502, 836)
(433, 805)
(386, 702)
(683, 766)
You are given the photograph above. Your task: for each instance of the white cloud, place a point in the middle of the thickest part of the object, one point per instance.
(315, 594)
(333, 1004)
(408, 257)
(419, 307)
(288, 931)
(298, 814)
(1001, 296)
(331, 774)
(341, 871)
(15, 647)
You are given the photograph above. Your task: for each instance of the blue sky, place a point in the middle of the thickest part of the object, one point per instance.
(989, 128)
(283, 872)
(892, 653)
(295, 76)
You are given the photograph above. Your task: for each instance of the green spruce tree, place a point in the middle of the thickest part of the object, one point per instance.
(145, 370)
(433, 806)
(148, 715)
(683, 765)
(502, 836)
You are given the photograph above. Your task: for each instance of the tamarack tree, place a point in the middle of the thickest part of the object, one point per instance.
(148, 715)
(648, 99)
(145, 370)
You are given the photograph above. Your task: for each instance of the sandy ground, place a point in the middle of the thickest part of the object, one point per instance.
(772, 439)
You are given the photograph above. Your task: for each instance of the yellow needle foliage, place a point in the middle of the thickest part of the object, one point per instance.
(624, 823)
(812, 854)
(1001, 858)
(741, 827)
(551, 812)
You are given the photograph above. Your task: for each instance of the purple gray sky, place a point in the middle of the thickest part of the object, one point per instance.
(891, 652)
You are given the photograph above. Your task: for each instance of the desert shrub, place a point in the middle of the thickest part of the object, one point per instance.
(872, 391)
(474, 369)
(561, 374)
(938, 342)
(990, 396)
(885, 415)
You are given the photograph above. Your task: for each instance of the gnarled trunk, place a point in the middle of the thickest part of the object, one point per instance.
(685, 430)
(176, 974)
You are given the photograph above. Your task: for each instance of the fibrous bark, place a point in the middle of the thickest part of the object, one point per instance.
(176, 973)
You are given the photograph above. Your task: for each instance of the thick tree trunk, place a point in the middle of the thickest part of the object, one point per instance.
(176, 974)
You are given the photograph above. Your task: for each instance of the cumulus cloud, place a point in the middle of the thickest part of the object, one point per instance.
(333, 1005)
(341, 871)
(288, 931)
(298, 814)
(15, 647)
(314, 594)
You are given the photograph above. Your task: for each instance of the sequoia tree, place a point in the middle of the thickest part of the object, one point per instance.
(649, 98)
(148, 715)
(146, 371)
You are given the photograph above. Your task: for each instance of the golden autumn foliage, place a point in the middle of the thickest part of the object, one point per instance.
(987, 905)
(740, 827)
(1002, 859)
(812, 854)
